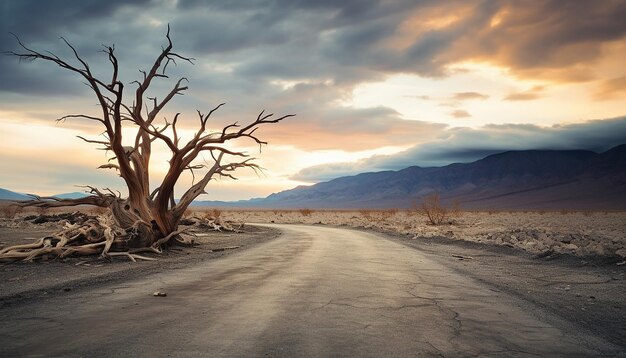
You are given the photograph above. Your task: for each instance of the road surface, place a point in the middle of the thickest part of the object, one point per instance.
(313, 292)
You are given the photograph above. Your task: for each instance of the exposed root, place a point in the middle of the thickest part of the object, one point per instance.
(93, 236)
(132, 257)
(186, 241)
(34, 245)
(214, 224)
(84, 235)
(167, 238)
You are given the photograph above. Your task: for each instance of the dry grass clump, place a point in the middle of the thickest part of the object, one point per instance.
(305, 212)
(213, 214)
(385, 215)
(378, 215)
(366, 214)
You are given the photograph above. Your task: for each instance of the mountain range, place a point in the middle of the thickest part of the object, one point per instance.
(529, 179)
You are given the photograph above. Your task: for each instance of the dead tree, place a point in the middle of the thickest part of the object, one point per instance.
(148, 218)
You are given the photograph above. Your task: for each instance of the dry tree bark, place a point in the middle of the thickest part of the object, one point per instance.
(148, 218)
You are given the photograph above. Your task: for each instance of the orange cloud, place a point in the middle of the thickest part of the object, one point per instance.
(459, 113)
(611, 88)
(534, 93)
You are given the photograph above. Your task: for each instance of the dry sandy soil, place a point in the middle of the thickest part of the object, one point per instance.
(25, 280)
(581, 234)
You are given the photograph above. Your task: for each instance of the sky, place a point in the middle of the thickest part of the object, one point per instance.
(375, 85)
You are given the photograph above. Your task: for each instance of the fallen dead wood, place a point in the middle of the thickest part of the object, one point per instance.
(85, 235)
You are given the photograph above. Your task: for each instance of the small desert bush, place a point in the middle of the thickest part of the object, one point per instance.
(213, 214)
(386, 214)
(390, 212)
(305, 212)
(435, 212)
(367, 214)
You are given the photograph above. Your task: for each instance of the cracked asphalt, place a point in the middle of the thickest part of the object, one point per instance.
(313, 292)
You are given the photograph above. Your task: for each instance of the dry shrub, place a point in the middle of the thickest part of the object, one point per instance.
(213, 214)
(387, 214)
(305, 212)
(367, 214)
(435, 212)
(390, 212)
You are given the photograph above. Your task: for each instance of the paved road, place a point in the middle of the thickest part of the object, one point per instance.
(313, 292)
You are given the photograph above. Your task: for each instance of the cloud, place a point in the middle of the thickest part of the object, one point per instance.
(611, 88)
(459, 113)
(522, 96)
(350, 42)
(535, 92)
(465, 96)
(351, 130)
(466, 145)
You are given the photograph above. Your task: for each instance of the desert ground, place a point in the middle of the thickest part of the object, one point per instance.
(599, 234)
(556, 279)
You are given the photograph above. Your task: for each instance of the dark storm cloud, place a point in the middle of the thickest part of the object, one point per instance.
(466, 145)
(350, 41)
(324, 47)
(39, 24)
(46, 19)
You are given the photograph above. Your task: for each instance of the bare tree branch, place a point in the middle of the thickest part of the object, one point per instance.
(147, 218)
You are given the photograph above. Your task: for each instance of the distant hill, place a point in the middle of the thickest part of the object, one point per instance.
(532, 179)
(11, 195)
(73, 195)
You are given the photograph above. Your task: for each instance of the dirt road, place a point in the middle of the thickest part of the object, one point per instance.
(315, 291)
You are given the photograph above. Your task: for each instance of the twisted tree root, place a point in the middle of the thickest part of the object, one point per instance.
(102, 236)
(95, 236)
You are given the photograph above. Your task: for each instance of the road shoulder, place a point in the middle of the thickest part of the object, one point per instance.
(587, 293)
(25, 282)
